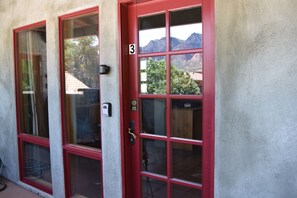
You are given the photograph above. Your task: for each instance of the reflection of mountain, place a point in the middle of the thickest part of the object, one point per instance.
(158, 45)
(189, 62)
(194, 41)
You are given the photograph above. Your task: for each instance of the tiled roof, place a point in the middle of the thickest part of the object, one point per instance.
(73, 84)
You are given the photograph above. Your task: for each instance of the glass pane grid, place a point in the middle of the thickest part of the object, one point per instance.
(185, 77)
(185, 178)
(183, 56)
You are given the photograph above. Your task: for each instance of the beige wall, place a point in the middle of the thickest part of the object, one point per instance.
(256, 92)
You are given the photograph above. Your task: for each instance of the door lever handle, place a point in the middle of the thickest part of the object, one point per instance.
(130, 131)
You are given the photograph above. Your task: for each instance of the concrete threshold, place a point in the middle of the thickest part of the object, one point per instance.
(14, 191)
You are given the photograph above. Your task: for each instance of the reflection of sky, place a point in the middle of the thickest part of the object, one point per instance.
(181, 32)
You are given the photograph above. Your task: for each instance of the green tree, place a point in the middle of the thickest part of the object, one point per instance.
(81, 59)
(181, 82)
(156, 77)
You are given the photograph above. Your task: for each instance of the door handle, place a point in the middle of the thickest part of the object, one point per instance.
(130, 131)
(132, 136)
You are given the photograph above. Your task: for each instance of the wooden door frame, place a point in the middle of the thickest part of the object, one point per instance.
(124, 96)
(208, 114)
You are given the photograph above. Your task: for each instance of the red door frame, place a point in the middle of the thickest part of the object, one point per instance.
(22, 137)
(209, 96)
(68, 148)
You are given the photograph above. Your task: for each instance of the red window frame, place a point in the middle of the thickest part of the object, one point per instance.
(208, 95)
(22, 137)
(90, 153)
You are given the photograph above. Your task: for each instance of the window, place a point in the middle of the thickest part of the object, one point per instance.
(32, 105)
(81, 103)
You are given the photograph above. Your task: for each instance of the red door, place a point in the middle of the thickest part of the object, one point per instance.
(170, 119)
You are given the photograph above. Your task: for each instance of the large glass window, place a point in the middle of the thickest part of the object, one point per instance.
(81, 104)
(82, 109)
(32, 82)
(32, 105)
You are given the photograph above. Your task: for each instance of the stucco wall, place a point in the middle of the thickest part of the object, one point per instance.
(14, 14)
(256, 72)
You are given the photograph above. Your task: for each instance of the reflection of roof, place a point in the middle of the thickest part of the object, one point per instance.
(73, 84)
(196, 76)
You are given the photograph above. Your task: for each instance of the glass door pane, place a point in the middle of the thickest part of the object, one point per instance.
(186, 29)
(187, 162)
(153, 116)
(152, 33)
(153, 75)
(186, 74)
(154, 156)
(186, 119)
(82, 105)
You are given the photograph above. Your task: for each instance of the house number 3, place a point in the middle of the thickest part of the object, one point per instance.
(132, 49)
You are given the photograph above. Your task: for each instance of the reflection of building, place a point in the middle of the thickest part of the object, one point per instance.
(73, 84)
(197, 77)
(83, 111)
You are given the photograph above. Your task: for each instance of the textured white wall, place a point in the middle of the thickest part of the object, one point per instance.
(256, 92)
(15, 14)
(110, 93)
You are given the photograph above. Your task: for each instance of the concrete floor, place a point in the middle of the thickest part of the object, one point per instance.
(14, 191)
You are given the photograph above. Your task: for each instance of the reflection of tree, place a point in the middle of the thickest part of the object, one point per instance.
(26, 82)
(81, 59)
(156, 76)
(181, 82)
